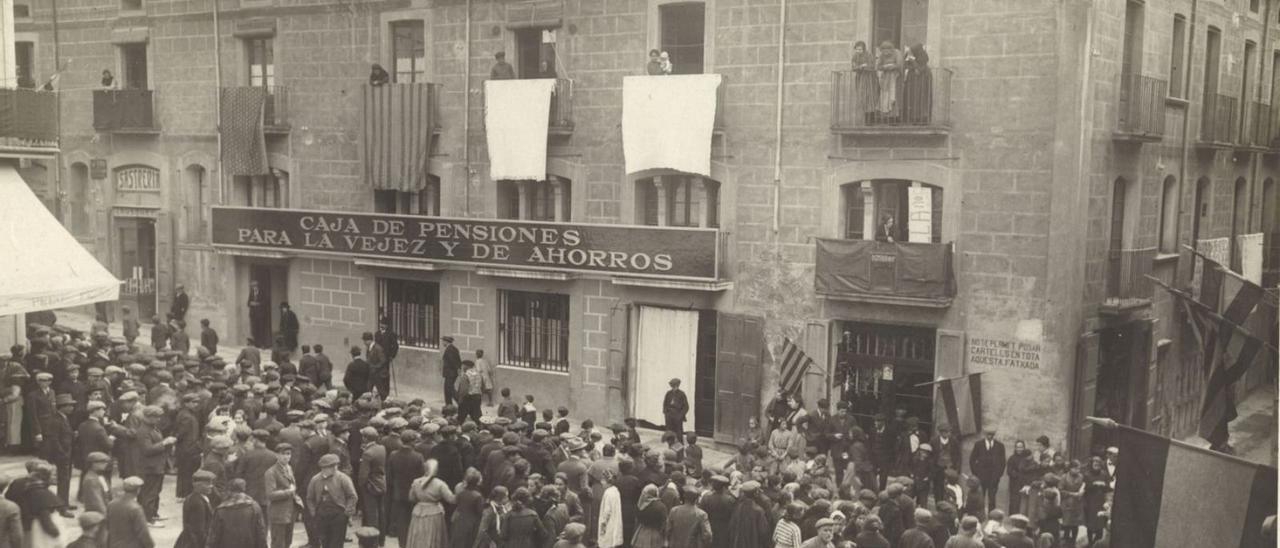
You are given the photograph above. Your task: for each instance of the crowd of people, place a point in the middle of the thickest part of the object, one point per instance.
(259, 445)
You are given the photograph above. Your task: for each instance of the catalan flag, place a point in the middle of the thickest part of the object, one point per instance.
(792, 367)
(1172, 495)
(398, 127)
(962, 402)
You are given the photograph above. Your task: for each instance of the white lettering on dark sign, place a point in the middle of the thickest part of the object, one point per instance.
(1012, 354)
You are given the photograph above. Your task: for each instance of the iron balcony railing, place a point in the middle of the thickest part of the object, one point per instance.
(28, 119)
(275, 114)
(1219, 119)
(867, 99)
(1127, 271)
(124, 110)
(1259, 126)
(562, 106)
(1141, 108)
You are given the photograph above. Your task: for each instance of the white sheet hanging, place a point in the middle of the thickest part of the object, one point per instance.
(667, 348)
(516, 115)
(667, 122)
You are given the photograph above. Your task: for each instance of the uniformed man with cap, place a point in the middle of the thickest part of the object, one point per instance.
(197, 511)
(126, 521)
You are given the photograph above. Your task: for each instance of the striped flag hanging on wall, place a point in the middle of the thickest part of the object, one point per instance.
(792, 366)
(1170, 495)
(962, 403)
(399, 122)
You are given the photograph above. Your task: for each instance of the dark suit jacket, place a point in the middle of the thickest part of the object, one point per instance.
(197, 515)
(403, 466)
(93, 496)
(450, 361)
(356, 379)
(389, 341)
(675, 405)
(988, 466)
(127, 525)
(252, 468)
(40, 410)
(187, 430)
(58, 437)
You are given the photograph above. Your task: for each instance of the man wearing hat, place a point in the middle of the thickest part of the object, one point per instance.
(39, 406)
(237, 521)
(450, 367)
(90, 530)
(675, 405)
(946, 454)
(749, 526)
(288, 327)
(987, 462)
(719, 505)
(215, 462)
(357, 376)
(403, 466)
(372, 479)
(126, 521)
(56, 447)
(186, 451)
(687, 525)
(331, 502)
(91, 436)
(153, 448)
(254, 464)
(197, 512)
(94, 493)
(826, 531)
(379, 372)
(282, 494)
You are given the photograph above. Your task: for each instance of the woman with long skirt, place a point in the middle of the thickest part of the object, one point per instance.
(467, 512)
(651, 517)
(427, 527)
(917, 87)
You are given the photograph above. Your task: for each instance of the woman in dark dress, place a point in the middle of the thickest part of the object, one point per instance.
(651, 517)
(466, 515)
(866, 87)
(917, 87)
(1095, 495)
(521, 528)
(871, 535)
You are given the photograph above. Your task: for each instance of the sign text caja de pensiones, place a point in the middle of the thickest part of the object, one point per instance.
(614, 249)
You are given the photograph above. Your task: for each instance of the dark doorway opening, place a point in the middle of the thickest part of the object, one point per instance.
(879, 368)
(137, 254)
(267, 289)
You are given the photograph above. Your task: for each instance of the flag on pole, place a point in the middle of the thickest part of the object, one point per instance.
(962, 402)
(792, 367)
(1170, 494)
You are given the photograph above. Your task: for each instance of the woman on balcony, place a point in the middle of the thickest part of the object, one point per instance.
(889, 70)
(917, 87)
(866, 87)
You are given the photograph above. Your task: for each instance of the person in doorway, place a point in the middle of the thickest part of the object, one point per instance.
(208, 337)
(987, 462)
(130, 325)
(886, 229)
(181, 302)
(108, 80)
(288, 327)
(502, 70)
(664, 60)
(451, 366)
(259, 315)
(675, 405)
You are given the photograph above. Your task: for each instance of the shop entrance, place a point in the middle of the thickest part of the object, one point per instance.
(267, 288)
(879, 369)
(1121, 378)
(137, 262)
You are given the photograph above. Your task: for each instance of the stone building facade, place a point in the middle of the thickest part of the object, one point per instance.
(1065, 150)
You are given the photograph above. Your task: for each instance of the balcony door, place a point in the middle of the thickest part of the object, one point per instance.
(683, 36)
(136, 254)
(536, 52)
(133, 61)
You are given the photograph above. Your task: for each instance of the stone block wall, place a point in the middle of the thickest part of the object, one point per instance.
(332, 295)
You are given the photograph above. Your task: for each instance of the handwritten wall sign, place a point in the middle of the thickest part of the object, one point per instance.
(1006, 353)
(689, 253)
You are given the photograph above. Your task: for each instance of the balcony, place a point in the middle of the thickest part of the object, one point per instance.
(1259, 128)
(28, 123)
(1128, 288)
(561, 108)
(910, 274)
(124, 111)
(1141, 108)
(1219, 123)
(858, 106)
(275, 113)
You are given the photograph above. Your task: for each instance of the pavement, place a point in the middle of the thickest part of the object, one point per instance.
(1253, 433)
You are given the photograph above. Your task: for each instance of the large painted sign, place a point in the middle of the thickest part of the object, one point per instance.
(661, 252)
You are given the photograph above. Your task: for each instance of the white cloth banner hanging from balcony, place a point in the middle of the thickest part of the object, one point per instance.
(1251, 256)
(919, 214)
(516, 115)
(667, 122)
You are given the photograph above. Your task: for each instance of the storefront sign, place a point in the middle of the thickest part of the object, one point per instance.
(136, 212)
(138, 179)
(688, 253)
(1007, 353)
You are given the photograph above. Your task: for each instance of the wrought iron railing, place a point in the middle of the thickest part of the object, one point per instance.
(28, 118)
(124, 110)
(864, 99)
(562, 105)
(275, 114)
(1141, 107)
(1259, 125)
(1219, 119)
(1127, 271)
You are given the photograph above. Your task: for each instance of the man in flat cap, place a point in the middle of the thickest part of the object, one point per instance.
(282, 491)
(403, 466)
(376, 357)
(186, 451)
(450, 367)
(56, 447)
(675, 405)
(197, 512)
(237, 522)
(215, 462)
(90, 531)
(94, 493)
(126, 521)
(92, 437)
(331, 502)
(372, 479)
(39, 406)
(687, 525)
(254, 464)
(153, 448)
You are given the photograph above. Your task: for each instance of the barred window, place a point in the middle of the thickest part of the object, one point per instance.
(413, 308)
(535, 330)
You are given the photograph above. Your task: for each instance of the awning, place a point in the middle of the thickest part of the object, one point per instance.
(43, 266)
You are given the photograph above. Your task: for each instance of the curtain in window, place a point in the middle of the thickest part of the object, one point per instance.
(667, 348)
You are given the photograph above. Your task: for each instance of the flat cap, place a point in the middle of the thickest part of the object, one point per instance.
(329, 460)
(90, 519)
(98, 456)
(203, 476)
(132, 483)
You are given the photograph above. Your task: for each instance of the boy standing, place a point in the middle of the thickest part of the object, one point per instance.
(208, 337)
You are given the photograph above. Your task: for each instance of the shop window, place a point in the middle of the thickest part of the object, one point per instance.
(683, 36)
(678, 200)
(409, 52)
(1169, 215)
(548, 200)
(261, 59)
(535, 52)
(534, 330)
(25, 59)
(1177, 55)
(133, 59)
(422, 202)
(195, 186)
(899, 210)
(413, 310)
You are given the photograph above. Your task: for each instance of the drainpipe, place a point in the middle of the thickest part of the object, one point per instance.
(217, 105)
(466, 113)
(1185, 157)
(777, 136)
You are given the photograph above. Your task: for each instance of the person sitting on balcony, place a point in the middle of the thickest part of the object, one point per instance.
(664, 59)
(866, 87)
(108, 80)
(885, 230)
(917, 87)
(378, 76)
(888, 68)
(502, 70)
(654, 66)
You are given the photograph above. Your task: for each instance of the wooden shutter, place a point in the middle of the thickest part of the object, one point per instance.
(616, 387)
(739, 351)
(817, 381)
(1085, 392)
(164, 261)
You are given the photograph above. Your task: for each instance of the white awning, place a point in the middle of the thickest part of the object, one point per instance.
(42, 266)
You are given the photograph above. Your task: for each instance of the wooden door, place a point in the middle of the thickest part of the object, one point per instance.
(619, 335)
(1086, 391)
(704, 389)
(739, 350)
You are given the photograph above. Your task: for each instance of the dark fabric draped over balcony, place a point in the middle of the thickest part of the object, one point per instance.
(244, 147)
(399, 121)
(29, 115)
(884, 269)
(1219, 119)
(865, 99)
(123, 109)
(1141, 109)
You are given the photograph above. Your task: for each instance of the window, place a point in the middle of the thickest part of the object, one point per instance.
(1247, 83)
(195, 195)
(413, 309)
(1133, 27)
(1177, 56)
(535, 330)
(423, 202)
(902, 22)
(261, 57)
(548, 200)
(270, 191)
(855, 210)
(1116, 242)
(25, 59)
(21, 10)
(682, 36)
(1270, 232)
(1253, 5)
(131, 5)
(892, 199)
(1212, 54)
(536, 52)
(1200, 217)
(1239, 220)
(1169, 215)
(409, 51)
(78, 199)
(134, 63)
(678, 200)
